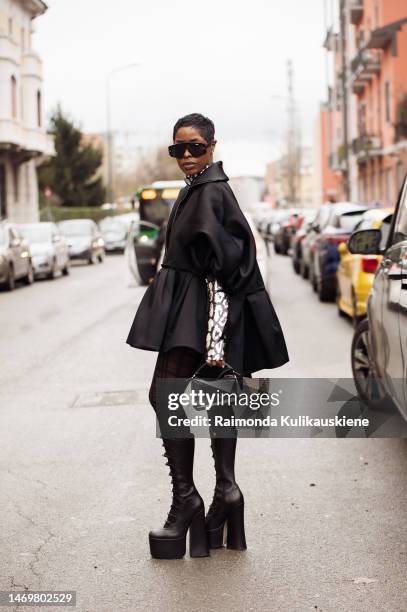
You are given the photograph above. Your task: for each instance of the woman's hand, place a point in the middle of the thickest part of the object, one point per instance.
(213, 362)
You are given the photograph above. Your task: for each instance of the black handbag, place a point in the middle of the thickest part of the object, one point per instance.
(226, 372)
(227, 382)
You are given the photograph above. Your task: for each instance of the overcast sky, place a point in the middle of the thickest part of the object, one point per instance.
(223, 58)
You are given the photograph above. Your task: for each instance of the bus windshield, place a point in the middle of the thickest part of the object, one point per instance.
(156, 200)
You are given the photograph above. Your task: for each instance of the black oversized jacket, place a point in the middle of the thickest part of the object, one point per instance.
(207, 234)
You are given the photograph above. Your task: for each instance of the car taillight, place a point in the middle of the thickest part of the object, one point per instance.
(369, 264)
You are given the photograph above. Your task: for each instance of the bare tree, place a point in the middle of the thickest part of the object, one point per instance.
(157, 165)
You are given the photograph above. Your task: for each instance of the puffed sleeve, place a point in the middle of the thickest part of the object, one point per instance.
(220, 240)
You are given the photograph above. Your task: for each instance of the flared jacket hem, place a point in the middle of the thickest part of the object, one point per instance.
(173, 313)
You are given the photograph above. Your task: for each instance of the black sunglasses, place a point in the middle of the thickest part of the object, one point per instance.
(196, 149)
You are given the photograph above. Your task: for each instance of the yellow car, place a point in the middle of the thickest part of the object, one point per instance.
(355, 273)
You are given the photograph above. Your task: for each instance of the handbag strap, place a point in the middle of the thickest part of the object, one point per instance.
(224, 372)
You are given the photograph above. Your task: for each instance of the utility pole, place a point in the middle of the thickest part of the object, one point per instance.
(292, 154)
(344, 78)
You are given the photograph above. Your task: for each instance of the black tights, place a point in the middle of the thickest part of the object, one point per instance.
(182, 362)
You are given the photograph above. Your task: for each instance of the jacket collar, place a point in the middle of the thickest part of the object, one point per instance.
(215, 172)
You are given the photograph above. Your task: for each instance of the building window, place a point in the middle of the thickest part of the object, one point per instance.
(13, 97)
(387, 100)
(372, 184)
(389, 187)
(39, 108)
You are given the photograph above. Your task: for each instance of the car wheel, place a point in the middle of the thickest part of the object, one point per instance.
(367, 384)
(304, 270)
(312, 278)
(29, 278)
(356, 319)
(325, 293)
(11, 281)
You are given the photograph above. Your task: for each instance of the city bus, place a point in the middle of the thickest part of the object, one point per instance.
(156, 200)
(143, 249)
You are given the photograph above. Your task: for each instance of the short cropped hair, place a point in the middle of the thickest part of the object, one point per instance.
(201, 123)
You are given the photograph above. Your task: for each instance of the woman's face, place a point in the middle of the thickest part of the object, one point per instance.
(189, 164)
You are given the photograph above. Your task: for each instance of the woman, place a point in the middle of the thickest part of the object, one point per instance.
(209, 267)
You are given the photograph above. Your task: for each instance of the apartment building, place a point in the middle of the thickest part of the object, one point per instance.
(23, 138)
(366, 134)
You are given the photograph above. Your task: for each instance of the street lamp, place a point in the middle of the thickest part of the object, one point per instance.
(110, 177)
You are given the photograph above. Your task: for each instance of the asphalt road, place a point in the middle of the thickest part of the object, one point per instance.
(83, 479)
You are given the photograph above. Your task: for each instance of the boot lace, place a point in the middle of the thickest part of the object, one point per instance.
(217, 494)
(176, 500)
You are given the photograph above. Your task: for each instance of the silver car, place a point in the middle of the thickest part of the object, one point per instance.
(114, 232)
(49, 249)
(15, 257)
(84, 239)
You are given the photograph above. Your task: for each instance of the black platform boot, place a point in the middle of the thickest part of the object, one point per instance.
(226, 513)
(187, 510)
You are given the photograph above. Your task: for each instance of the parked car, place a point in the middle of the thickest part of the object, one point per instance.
(114, 232)
(272, 224)
(84, 239)
(307, 218)
(49, 250)
(286, 230)
(307, 245)
(261, 250)
(379, 347)
(280, 229)
(355, 273)
(15, 257)
(343, 216)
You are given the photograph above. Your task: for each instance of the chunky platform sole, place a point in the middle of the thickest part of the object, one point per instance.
(231, 532)
(175, 548)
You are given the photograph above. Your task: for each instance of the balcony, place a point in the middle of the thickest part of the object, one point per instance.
(356, 11)
(365, 64)
(331, 42)
(367, 146)
(358, 86)
(27, 142)
(31, 65)
(9, 50)
(386, 35)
